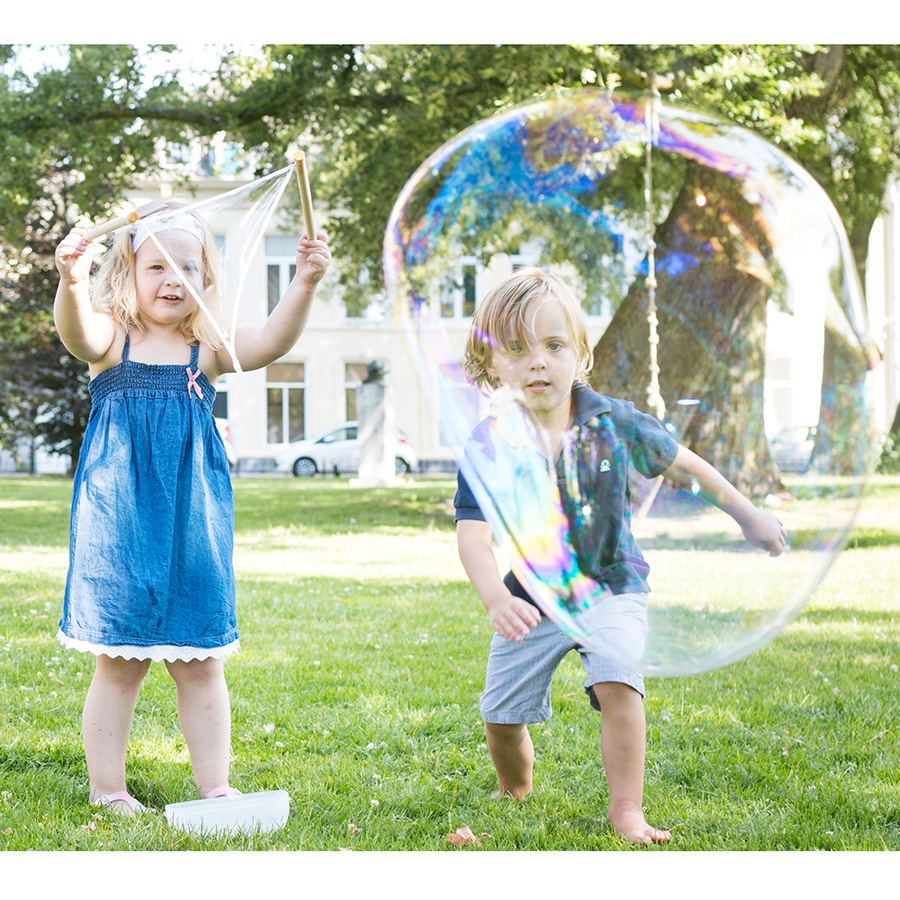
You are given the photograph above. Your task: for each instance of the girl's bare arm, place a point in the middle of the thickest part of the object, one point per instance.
(86, 334)
(258, 346)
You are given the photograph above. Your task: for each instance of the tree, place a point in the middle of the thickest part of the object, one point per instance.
(68, 154)
(79, 131)
(719, 359)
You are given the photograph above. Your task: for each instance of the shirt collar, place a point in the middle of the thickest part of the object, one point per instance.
(588, 403)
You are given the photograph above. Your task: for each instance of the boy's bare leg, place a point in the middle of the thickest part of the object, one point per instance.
(622, 744)
(513, 754)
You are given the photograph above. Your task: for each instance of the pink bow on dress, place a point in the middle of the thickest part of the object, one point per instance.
(192, 382)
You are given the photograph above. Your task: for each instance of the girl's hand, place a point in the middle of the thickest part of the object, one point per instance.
(73, 256)
(313, 259)
(764, 530)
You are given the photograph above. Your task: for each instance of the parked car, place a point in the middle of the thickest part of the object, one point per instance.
(336, 451)
(792, 447)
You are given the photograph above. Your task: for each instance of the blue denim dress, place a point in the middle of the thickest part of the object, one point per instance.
(152, 526)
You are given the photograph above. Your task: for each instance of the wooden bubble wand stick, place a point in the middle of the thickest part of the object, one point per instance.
(305, 193)
(111, 225)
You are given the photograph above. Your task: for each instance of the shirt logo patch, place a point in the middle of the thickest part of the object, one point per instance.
(604, 465)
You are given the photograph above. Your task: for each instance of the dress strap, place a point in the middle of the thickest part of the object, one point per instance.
(126, 347)
(193, 371)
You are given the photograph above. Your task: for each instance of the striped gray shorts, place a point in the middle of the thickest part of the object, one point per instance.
(519, 674)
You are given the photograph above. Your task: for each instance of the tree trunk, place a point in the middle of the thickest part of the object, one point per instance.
(895, 425)
(843, 440)
(714, 279)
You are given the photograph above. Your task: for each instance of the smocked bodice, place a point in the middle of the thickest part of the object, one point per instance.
(137, 379)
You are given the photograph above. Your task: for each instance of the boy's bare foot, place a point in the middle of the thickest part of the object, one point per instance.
(631, 824)
(511, 793)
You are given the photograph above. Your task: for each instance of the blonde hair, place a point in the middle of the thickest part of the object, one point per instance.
(501, 319)
(116, 293)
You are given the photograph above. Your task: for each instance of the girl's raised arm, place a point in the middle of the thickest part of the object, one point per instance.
(86, 334)
(258, 346)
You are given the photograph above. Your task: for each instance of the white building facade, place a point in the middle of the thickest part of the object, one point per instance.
(882, 299)
(313, 387)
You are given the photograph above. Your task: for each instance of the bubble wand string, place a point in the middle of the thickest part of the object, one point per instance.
(654, 396)
(284, 174)
(259, 236)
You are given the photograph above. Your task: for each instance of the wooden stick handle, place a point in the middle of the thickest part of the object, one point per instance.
(111, 225)
(305, 193)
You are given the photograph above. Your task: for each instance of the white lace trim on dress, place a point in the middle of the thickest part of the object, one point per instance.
(156, 653)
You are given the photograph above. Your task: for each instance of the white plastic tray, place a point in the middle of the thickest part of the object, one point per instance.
(258, 812)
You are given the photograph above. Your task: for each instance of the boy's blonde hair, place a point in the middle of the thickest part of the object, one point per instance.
(116, 293)
(503, 316)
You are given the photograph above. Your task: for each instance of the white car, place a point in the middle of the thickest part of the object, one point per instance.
(336, 451)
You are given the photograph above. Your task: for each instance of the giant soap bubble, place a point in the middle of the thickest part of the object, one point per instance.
(722, 299)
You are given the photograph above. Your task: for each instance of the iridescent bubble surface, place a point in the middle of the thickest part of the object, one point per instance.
(693, 244)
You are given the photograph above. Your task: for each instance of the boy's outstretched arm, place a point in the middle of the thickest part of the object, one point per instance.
(511, 617)
(759, 526)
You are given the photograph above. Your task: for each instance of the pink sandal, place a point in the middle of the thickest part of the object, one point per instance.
(225, 791)
(107, 801)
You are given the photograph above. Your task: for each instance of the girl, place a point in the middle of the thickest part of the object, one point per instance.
(150, 552)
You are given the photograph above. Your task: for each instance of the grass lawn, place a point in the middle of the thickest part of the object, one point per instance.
(363, 652)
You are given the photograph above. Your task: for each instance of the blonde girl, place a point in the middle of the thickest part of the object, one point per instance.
(150, 551)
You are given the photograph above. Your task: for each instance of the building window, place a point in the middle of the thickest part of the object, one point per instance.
(281, 266)
(354, 375)
(458, 296)
(220, 402)
(285, 401)
(461, 292)
(468, 291)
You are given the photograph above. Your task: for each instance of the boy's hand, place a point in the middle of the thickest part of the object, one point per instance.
(762, 529)
(72, 259)
(313, 259)
(511, 617)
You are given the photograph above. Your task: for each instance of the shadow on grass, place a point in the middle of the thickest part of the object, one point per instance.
(338, 507)
(850, 615)
(866, 538)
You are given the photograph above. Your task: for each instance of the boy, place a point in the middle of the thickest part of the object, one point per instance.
(529, 335)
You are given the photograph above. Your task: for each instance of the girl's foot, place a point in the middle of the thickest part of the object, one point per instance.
(225, 791)
(121, 803)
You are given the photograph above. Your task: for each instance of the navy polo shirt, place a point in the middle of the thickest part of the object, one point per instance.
(613, 437)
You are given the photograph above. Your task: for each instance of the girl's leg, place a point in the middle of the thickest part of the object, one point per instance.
(513, 754)
(106, 722)
(204, 712)
(622, 745)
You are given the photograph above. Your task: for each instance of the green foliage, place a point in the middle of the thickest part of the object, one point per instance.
(80, 129)
(376, 112)
(889, 461)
